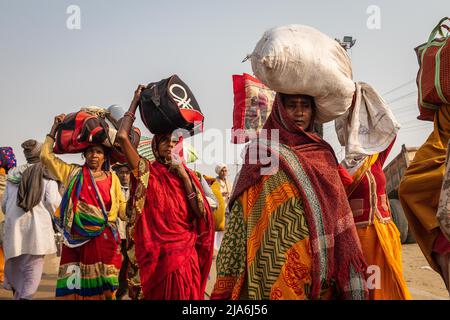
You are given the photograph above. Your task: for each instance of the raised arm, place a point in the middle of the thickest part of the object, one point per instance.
(122, 137)
(56, 166)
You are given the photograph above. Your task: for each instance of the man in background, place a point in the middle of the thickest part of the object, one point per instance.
(123, 172)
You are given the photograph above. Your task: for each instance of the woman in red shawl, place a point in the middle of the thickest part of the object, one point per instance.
(171, 222)
(291, 233)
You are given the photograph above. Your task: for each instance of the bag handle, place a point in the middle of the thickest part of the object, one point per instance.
(105, 128)
(156, 98)
(437, 29)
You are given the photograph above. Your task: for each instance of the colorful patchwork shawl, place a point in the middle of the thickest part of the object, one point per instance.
(7, 158)
(81, 220)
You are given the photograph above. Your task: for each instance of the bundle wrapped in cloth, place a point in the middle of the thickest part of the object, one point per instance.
(252, 106)
(91, 126)
(433, 78)
(367, 128)
(298, 59)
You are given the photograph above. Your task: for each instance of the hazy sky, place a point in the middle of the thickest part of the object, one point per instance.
(47, 69)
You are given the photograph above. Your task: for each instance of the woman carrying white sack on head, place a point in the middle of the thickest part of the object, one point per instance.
(300, 59)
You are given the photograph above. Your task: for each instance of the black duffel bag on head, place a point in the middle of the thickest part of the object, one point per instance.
(169, 105)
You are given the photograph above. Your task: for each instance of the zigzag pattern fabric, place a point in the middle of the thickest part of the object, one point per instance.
(286, 228)
(265, 253)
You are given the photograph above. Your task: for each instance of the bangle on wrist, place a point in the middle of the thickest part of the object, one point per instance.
(192, 195)
(129, 114)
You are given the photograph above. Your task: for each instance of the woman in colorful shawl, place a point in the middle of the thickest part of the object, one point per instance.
(366, 153)
(93, 200)
(291, 233)
(172, 227)
(7, 162)
(420, 190)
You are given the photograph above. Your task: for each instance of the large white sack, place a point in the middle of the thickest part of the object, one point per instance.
(297, 59)
(367, 128)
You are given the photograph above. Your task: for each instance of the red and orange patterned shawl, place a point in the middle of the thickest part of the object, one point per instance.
(311, 163)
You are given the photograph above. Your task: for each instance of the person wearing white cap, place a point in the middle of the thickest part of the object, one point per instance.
(225, 186)
(225, 190)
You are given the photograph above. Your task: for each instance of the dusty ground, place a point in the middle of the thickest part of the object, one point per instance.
(46, 289)
(424, 283)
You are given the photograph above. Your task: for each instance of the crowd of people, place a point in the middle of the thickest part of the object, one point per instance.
(148, 229)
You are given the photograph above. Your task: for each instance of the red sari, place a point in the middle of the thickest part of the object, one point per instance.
(173, 247)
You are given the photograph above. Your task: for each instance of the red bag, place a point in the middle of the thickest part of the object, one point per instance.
(78, 131)
(433, 78)
(82, 129)
(252, 106)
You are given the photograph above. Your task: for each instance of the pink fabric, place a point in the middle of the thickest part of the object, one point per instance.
(441, 244)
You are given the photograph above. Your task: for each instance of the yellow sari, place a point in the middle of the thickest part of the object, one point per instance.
(420, 187)
(381, 246)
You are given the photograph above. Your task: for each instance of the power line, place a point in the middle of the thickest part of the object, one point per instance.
(406, 112)
(413, 121)
(402, 97)
(420, 126)
(399, 87)
(399, 106)
(406, 108)
(406, 115)
(419, 122)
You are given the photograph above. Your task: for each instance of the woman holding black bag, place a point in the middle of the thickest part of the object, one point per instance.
(171, 224)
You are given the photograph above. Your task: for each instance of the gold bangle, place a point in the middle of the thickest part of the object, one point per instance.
(192, 195)
(129, 114)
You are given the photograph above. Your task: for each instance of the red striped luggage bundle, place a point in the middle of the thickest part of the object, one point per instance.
(433, 78)
(252, 106)
(87, 127)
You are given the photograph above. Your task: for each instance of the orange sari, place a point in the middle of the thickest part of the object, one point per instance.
(379, 236)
